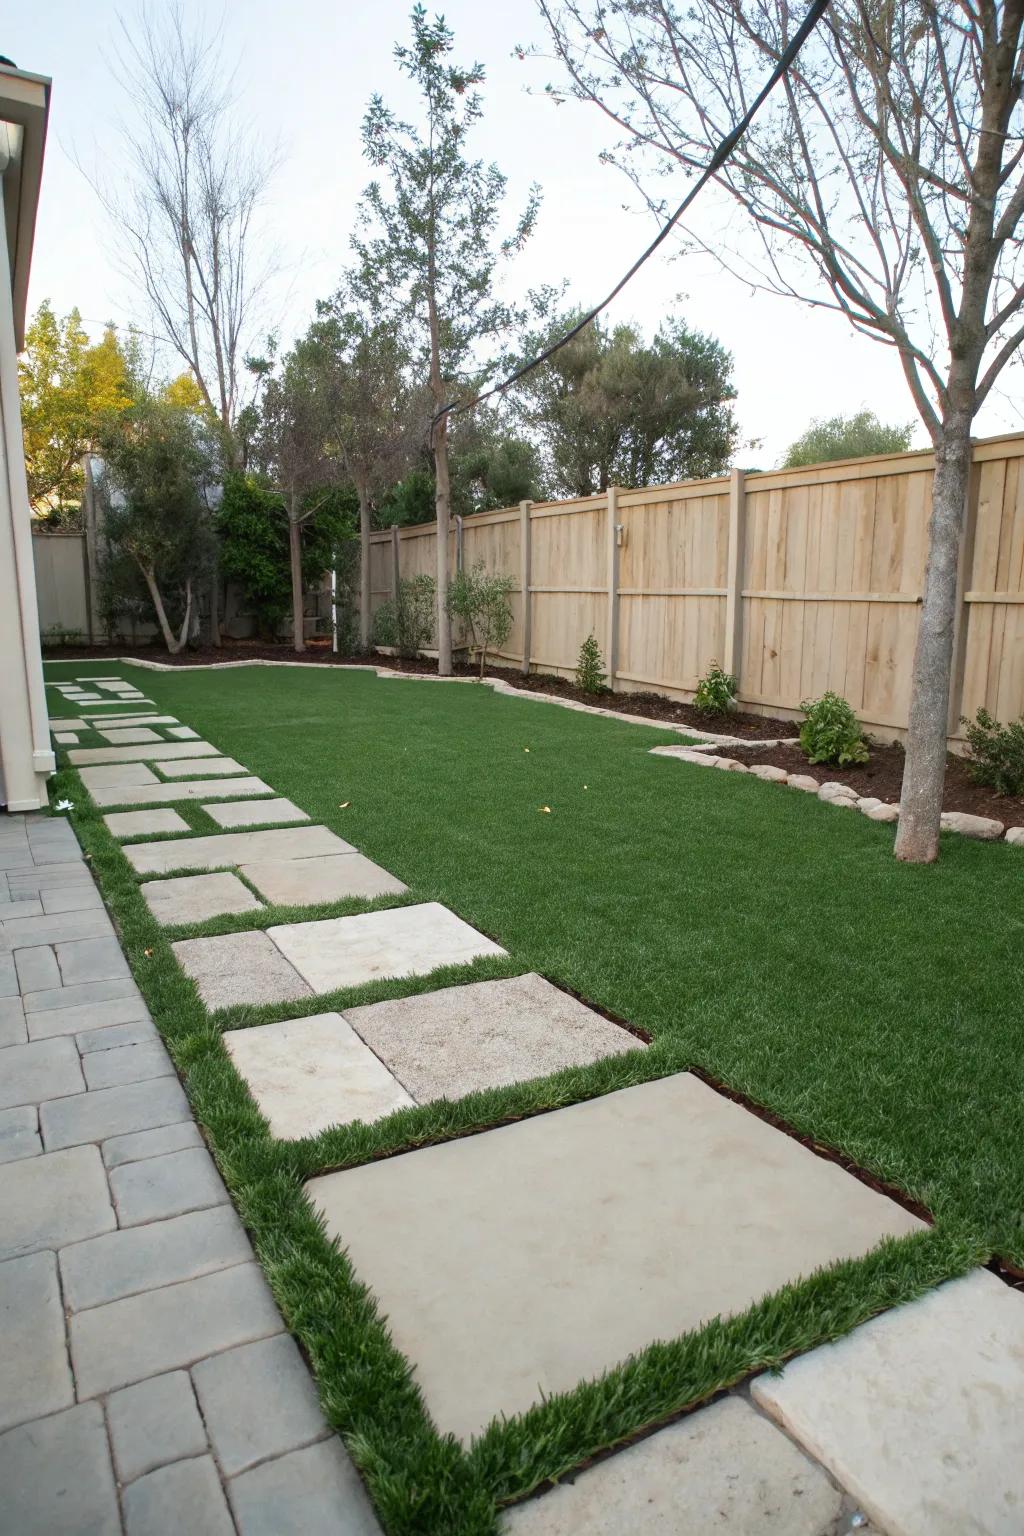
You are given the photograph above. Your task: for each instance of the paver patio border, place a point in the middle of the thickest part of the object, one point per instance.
(421, 1482)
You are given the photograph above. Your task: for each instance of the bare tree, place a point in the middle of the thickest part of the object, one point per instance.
(378, 415)
(187, 204)
(885, 180)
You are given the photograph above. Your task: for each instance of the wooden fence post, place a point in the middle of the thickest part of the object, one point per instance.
(525, 577)
(613, 585)
(395, 572)
(962, 612)
(732, 661)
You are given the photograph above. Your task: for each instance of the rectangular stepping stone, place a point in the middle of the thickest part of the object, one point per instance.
(48, 1201)
(234, 848)
(134, 701)
(240, 813)
(405, 941)
(121, 775)
(66, 738)
(239, 968)
(307, 1074)
(147, 718)
(35, 1379)
(85, 960)
(920, 1412)
(160, 752)
(128, 736)
(67, 725)
(188, 789)
(208, 767)
(633, 1217)
(127, 1063)
(193, 898)
(135, 1259)
(125, 1341)
(172, 1185)
(183, 733)
(135, 1149)
(723, 1467)
(129, 1009)
(332, 877)
(458, 1040)
(144, 823)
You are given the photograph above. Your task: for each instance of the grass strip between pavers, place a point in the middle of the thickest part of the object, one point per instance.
(422, 1483)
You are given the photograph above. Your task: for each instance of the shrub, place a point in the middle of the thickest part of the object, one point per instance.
(997, 753)
(831, 732)
(590, 673)
(716, 692)
(409, 626)
(480, 600)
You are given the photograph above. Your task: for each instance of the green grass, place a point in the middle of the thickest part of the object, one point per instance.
(770, 940)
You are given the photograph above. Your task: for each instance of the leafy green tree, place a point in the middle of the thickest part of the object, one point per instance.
(375, 410)
(847, 437)
(429, 244)
(490, 467)
(610, 409)
(480, 598)
(68, 388)
(158, 463)
(252, 528)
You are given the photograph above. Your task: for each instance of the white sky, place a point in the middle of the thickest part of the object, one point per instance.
(306, 69)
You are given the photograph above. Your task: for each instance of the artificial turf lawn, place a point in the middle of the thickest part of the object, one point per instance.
(752, 931)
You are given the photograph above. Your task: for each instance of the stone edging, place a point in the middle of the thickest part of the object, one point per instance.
(710, 738)
(833, 793)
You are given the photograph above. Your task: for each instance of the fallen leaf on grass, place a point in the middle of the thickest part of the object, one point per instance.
(344, 805)
(545, 809)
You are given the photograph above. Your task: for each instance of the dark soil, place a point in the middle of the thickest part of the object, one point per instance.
(652, 706)
(882, 776)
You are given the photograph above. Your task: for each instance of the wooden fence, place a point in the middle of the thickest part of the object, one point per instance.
(797, 580)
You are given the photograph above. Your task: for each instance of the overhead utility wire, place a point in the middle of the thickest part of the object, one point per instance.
(814, 14)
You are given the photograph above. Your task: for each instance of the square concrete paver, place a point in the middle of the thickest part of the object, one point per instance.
(193, 898)
(202, 767)
(304, 882)
(920, 1412)
(307, 1074)
(515, 1263)
(404, 941)
(234, 848)
(460, 1039)
(239, 968)
(186, 789)
(45, 1202)
(42, 1069)
(129, 735)
(724, 1468)
(315, 1491)
(56, 1477)
(242, 813)
(186, 1496)
(234, 1389)
(154, 1422)
(121, 775)
(144, 823)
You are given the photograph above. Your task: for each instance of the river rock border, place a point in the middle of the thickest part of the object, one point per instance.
(984, 828)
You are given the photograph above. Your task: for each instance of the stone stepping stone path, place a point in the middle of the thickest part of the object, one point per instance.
(127, 775)
(663, 1205)
(303, 959)
(234, 849)
(242, 813)
(332, 877)
(186, 789)
(920, 1412)
(144, 823)
(126, 736)
(308, 1074)
(724, 1468)
(207, 767)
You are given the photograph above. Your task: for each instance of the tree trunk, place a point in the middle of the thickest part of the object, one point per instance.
(149, 574)
(295, 558)
(215, 609)
(917, 840)
(443, 503)
(364, 568)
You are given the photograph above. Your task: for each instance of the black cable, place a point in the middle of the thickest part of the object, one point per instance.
(814, 14)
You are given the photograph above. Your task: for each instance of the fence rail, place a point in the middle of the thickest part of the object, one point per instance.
(796, 580)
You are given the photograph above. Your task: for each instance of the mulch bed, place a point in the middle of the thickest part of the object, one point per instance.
(651, 706)
(883, 776)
